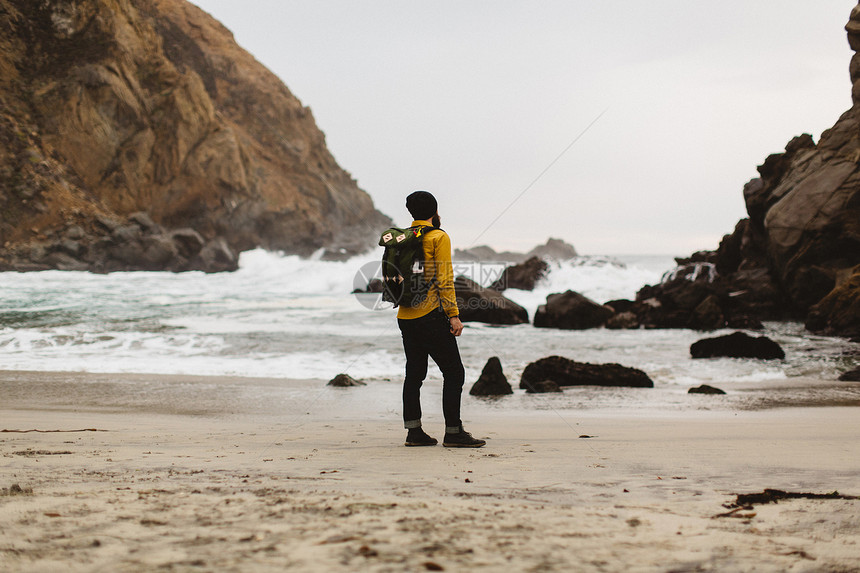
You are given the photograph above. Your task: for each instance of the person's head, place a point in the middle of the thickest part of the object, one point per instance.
(421, 205)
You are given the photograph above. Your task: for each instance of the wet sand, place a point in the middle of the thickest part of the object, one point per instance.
(313, 492)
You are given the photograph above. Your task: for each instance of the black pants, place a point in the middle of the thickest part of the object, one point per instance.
(430, 336)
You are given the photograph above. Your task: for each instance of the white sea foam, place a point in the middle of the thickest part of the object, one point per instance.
(287, 317)
(600, 279)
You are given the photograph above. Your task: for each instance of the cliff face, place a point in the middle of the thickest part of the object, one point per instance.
(798, 253)
(114, 108)
(804, 214)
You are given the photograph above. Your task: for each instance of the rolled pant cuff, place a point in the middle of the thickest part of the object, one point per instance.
(412, 424)
(453, 429)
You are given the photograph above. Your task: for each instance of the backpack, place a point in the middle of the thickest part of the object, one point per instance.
(403, 265)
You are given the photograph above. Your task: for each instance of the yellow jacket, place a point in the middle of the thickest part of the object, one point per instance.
(437, 263)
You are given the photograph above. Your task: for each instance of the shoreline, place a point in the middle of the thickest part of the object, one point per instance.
(272, 398)
(321, 492)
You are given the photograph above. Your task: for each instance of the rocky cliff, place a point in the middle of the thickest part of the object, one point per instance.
(139, 135)
(798, 253)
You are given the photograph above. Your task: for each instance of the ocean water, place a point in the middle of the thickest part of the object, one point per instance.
(283, 318)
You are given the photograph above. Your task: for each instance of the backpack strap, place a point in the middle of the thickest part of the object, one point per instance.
(424, 229)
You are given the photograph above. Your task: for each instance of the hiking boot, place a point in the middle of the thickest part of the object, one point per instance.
(461, 439)
(417, 437)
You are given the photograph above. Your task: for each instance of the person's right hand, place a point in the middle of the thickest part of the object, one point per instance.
(456, 325)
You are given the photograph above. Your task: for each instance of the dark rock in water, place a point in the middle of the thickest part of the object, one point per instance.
(745, 323)
(839, 312)
(374, 286)
(705, 389)
(737, 345)
(572, 311)
(566, 372)
(626, 314)
(621, 305)
(686, 298)
(492, 381)
(345, 381)
(623, 320)
(479, 304)
(696, 296)
(542, 387)
(523, 276)
(851, 376)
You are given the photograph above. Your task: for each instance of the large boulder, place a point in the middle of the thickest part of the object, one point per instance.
(850, 376)
(492, 381)
(839, 312)
(687, 297)
(625, 320)
(566, 372)
(523, 276)
(479, 304)
(737, 345)
(571, 311)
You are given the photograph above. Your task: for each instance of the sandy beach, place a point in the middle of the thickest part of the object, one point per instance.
(135, 489)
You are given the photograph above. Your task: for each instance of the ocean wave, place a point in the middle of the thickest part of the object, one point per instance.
(284, 317)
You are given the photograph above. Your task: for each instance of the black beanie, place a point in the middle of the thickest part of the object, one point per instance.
(422, 205)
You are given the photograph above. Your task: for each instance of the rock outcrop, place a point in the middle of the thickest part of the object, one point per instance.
(112, 107)
(492, 381)
(696, 296)
(571, 311)
(553, 250)
(566, 372)
(523, 276)
(800, 242)
(479, 304)
(737, 345)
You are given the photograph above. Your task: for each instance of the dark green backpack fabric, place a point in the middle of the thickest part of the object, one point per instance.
(403, 265)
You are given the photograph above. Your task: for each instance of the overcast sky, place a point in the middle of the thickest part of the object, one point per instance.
(474, 99)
